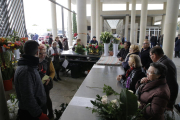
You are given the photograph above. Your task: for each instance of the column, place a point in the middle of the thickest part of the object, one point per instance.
(170, 27)
(136, 32)
(98, 20)
(82, 21)
(127, 27)
(62, 10)
(133, 15)
(143, 24)
(69, 23)
(93, 18)
(54, 20)
(163, 18)
(127, 6)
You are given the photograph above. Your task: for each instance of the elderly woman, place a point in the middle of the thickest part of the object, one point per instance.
(133, 74)
(155, 91)
(54, 53)
(47, 73)
(134, 49)
(78, 41)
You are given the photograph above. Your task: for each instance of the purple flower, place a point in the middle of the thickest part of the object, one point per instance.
(128, 82)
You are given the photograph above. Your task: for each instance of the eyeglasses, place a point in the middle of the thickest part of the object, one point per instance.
(149, 73)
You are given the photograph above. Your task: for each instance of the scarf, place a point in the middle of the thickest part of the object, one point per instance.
(128, 72)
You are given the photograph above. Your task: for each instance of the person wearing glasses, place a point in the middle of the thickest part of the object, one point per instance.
(133, 74)
(46, 69)
(154, 92)
(144, 55)
(54, 52)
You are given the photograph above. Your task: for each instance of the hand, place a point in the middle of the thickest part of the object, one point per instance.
(120, 59)
(47, 81)
(119, 77)
(43, 117)
(144, 80)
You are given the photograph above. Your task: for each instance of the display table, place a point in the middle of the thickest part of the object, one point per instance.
(98, 76)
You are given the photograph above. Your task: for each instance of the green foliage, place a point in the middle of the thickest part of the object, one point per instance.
(116, 40)
(111, 47)
(106, 37)
(100, 47)
(74, 23)
(109, 91)
(79, 49)
(120, 47)
(58, 113)
(13, 98)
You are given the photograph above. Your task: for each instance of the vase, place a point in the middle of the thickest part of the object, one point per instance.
(17, 54)
(115, 50)
(106, 49)
(8, 84)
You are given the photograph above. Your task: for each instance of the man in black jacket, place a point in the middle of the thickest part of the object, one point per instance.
(29, 88)
(50, 40)
(145, 58)
(124, 51)
(153, 41)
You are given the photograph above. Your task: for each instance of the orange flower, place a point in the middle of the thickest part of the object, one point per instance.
(4, 45)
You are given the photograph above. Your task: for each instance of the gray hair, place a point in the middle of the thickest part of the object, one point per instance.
(160, 69)
(54, 42)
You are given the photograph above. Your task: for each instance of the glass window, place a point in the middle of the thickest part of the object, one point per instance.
(114, 7)
(157, 23)
(150, 6)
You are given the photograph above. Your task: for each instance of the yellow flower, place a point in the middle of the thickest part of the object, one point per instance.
(12, 45)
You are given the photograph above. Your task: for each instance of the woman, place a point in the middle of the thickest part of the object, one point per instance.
(54, 53)
(47, 73)
(65, 44)
(134, 49)
(133, 74)
(59, 43)
(154, 90)
(78, 41)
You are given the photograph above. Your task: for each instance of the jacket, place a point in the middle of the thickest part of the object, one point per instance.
(60, 45)
(171, 78)
(145, 58)
(157, 94)
(65, 45)
(29, 88)
(93, 42)
(51, 52)
(135, 75)
(123, 53)
(50, 41)
(177, 45)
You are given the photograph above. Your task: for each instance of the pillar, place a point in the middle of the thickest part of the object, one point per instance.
(127, 27)
(93, 18)
(81, 21)
(133, 15)
(70, 23)
(98, 20)
(62, 10)
(162, 23)
(170, 27)
(136, 32)
(127, 6)
(143, 24)
(54, 20)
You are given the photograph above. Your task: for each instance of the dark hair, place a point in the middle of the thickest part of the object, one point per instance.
(157, 50)
(94, 36)
(31, 47)
(161, 69)
(128, 43)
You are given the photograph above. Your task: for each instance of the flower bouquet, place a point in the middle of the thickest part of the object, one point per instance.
(79, 49)
(92, 49)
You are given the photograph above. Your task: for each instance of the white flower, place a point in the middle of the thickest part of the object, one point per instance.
(11, 116)
(131, 91)
(138, 103)
(11, 109)
(104, 96)
(9, 102)
(15, 113)
(104, 100)
(8, 41)
(114, 101)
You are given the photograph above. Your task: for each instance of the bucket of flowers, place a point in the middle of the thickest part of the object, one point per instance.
(93, 49)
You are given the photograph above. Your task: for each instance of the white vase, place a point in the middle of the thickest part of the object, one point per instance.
(106, 49)
(17, 54)
(115, 50)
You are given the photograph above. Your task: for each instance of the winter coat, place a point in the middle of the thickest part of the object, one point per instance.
(145, 58)
(156, 93)
(65, 44)
(123, 53)
(177, 45)
(171, 78)
(50, 41)
(153, 39)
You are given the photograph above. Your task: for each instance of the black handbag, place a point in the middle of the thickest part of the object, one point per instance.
(49, 86)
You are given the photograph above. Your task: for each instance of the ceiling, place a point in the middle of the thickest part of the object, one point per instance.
(113, 23)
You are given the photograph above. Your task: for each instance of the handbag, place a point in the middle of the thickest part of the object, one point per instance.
(49, 86)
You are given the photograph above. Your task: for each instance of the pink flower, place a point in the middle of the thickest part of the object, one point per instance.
(96, 47)
(9, 45)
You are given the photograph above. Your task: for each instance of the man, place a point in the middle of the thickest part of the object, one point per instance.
(157, 55)
(93, 41)
(123, 40)
(147, 36)
(176, 38)
(144, 55)
(88, 38)
(177, 47)
(124, 51)
(50, 40)
(161, 40)
(152, 40)
(29, 88)
(155, 37)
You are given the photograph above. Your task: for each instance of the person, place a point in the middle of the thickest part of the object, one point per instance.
(124, 51)
(123, 40)
(59, 43)
(144, 55)
(176, 38)
(158, 41)
(78, 41)
(50, 40)
(88, 38)
(54, 53)
(155, 91)
(177, 47)
(134, 73)
(155, 37)
(147, 36)
(134, 49)
(93, 41)
(157, 55)
(36, 36)
(161, 40)
(29, 88)
(65, 44)
(46, 68)
(153, 41)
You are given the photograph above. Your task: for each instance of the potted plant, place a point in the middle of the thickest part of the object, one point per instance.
(116, 42)
(93, 48)
(111, 49)
(106, 37)
(79, 49)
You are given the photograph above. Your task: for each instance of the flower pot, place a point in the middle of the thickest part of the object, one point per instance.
(8, 84)
(106, 49)
(115, 50)
(17, 54)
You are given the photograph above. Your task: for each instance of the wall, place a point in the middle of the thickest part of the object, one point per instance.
(107, 28)
(120, 28)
